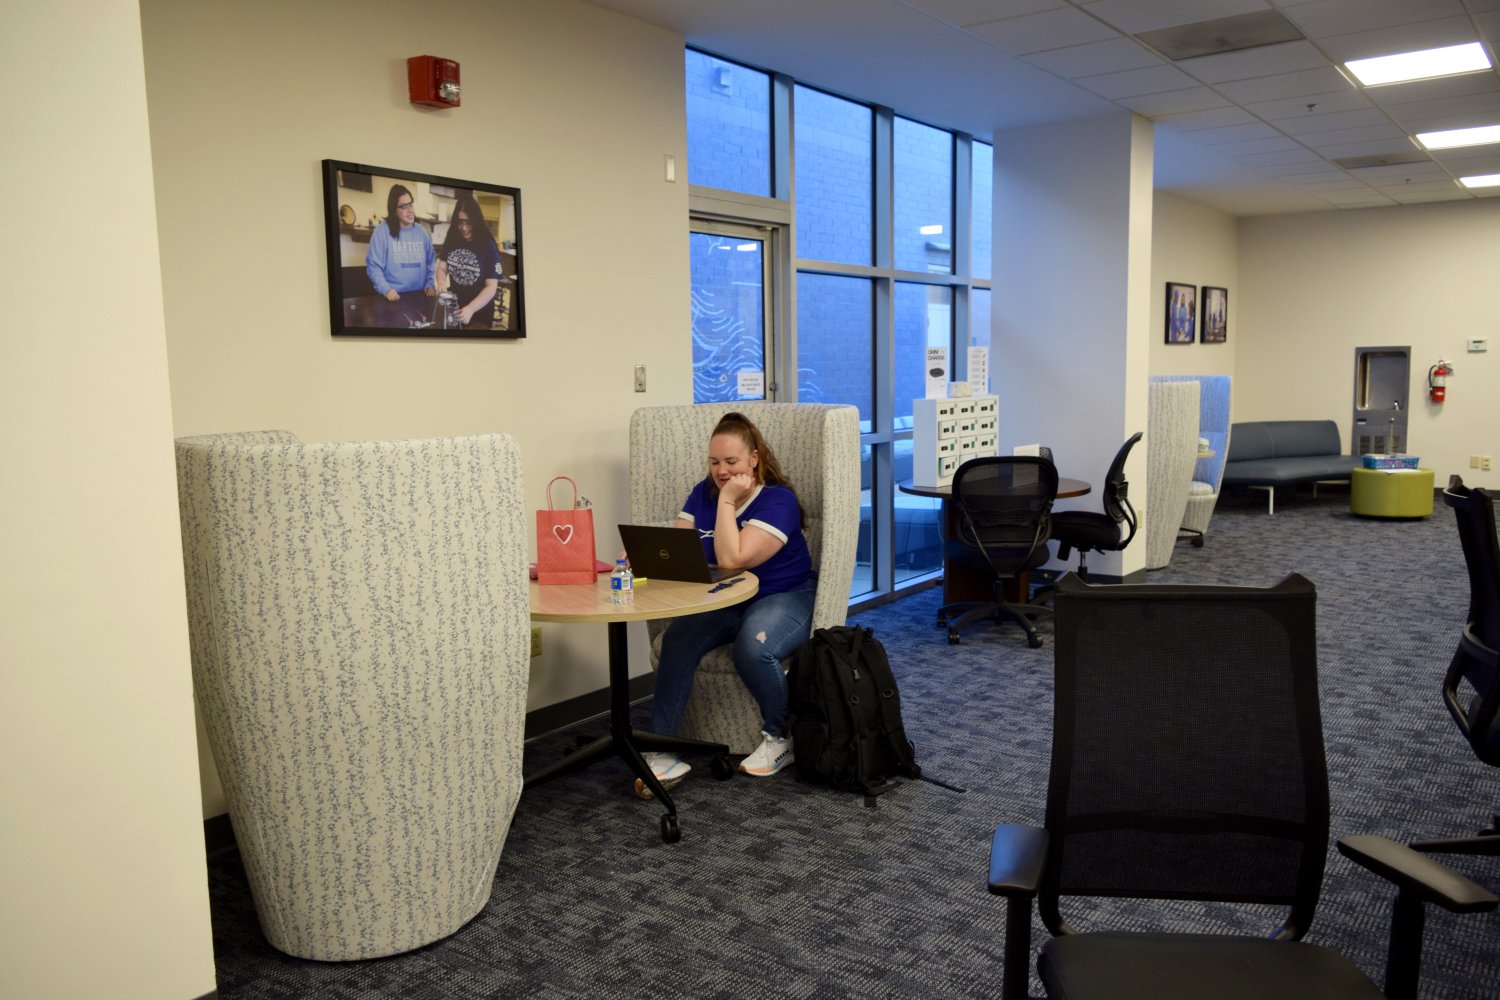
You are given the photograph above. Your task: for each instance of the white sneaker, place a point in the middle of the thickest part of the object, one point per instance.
(669, 769)
(774, 753)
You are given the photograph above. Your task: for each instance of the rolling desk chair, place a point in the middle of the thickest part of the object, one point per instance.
(1004, 507)
(1089, 531)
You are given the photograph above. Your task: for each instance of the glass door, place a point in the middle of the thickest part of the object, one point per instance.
(731, 286)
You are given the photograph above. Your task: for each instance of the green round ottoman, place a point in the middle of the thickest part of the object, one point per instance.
(1390, 492)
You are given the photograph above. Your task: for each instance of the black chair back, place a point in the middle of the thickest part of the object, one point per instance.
(1187, 752)
(1476, 662)
(1117, 491)
(1005, 507)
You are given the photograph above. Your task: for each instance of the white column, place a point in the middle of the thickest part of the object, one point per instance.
(1071, 303)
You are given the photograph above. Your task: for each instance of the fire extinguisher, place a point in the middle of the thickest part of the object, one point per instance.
(1437, 381)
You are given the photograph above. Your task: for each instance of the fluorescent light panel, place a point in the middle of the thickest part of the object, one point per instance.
(1422, 65)
(1460, 137)
(1480, 181)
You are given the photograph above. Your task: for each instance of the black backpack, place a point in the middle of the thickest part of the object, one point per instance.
(846, 714)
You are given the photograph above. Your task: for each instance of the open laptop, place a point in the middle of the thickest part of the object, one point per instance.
(666, 553)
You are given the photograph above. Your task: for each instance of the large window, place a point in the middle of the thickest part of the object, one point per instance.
(885, 248)
(729, 125)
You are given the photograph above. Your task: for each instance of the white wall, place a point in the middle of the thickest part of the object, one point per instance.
(102, 884)
(1316, 286)
(574, 105)
(1193, 245)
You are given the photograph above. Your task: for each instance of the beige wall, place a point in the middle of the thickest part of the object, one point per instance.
(574, 105)
(1315, 286)
(1193, 245)
(102, 885)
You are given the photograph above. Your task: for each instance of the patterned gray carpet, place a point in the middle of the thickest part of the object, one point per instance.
(780, 889)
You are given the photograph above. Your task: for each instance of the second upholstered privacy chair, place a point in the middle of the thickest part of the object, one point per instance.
(818, 448)
(359, 629)
(1188, 765)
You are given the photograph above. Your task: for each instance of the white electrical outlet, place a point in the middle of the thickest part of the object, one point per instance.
(536, 641)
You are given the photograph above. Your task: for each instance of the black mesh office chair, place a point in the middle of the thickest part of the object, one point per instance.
(1003, 511)
(1187, 764)
(1471, 688)
(1089, 531)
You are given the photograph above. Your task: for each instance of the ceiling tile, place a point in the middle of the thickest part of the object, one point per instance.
(1136, 82)
(1215, 118)
(1136, 16)
(1401, 147)
(1051, 29)
(1356, 199)
(1175, 102)
(1322, 104)
(1400, 171)
(1307, 83)
(1270, 144)
(1387, 134)
(1407, 196)
(1279, 158)
(1237, 133)
(1410, 38)
(1458, 112)
(967, 12)
(1267, 60)
(1095, 58)
(1313, 123)
(1338, 17)
(1470, 159)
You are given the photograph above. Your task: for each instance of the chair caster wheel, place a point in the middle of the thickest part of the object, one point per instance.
(670, 834)
(953, 638)
(1198, 541)
(721, 768)
(1034, 641)
(942, 621)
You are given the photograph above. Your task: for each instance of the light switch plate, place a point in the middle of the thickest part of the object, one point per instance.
(640, 378)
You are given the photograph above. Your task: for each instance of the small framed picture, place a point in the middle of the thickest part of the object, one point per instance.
(1182, 313)
(1215, 322)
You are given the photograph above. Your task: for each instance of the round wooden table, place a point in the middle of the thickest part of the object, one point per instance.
(656, 598)
(1066, 489)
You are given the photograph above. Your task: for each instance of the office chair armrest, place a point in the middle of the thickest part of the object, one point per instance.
(1427, 879)
(1017, 855)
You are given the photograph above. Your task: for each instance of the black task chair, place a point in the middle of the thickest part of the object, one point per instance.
(1187, 764)
(1471, 688)
(1003, 507)
(1089, 531)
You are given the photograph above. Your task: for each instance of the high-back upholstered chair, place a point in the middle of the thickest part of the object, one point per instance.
(360, 643)
(818, 448)
(1172, 451)
(1213, 427)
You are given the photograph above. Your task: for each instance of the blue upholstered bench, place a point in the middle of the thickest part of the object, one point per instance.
(1265, 454)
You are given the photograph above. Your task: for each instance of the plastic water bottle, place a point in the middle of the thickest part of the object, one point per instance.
(621, 584)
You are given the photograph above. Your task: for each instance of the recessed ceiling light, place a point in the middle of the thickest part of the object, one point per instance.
(1480, 181)
(1425, 64)
(1460, 137)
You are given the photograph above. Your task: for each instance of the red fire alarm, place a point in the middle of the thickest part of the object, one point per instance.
(432, 81)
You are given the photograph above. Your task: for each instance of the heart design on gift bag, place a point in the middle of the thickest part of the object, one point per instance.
(564, 532)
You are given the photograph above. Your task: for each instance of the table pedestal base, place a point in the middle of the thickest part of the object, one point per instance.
(626, 742)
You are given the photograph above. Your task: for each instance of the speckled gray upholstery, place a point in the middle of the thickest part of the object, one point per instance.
(1213, 426)
(818, 448)
(360, 644)
(1172, 450)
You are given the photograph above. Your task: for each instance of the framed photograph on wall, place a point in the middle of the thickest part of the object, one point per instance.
(1182, 313)
(1214, 326)
(415, 255)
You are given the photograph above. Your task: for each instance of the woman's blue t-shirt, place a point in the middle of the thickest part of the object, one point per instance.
(771, 508)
